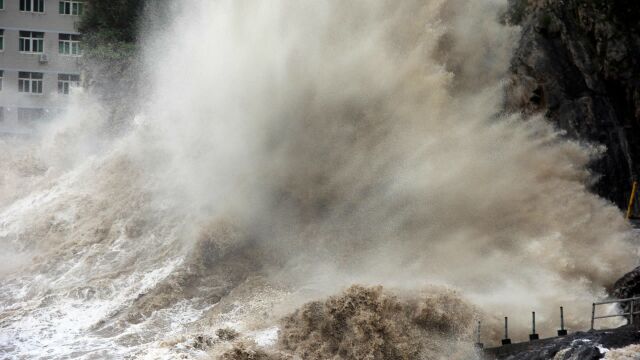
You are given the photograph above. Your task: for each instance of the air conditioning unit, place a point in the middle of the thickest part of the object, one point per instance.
(44, 58)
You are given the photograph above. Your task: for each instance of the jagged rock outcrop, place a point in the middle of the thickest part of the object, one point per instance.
(627, 287)
(578, 62)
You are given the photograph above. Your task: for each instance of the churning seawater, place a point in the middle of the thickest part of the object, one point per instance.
(282, 151)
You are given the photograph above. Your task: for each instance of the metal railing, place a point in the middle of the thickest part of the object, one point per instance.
(629, 314)
(634, 309)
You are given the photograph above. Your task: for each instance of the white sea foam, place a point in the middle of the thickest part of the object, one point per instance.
(282, 151)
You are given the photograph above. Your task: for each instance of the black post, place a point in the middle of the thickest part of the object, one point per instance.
(562, 331)
(533, 335)
(506, 340)
(479, 345)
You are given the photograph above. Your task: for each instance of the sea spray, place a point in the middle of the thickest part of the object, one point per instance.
(312, 145)
(370, 323)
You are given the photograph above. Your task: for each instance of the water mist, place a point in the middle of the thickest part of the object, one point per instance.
(284, 151)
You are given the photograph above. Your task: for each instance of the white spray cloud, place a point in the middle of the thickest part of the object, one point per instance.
(346, 142)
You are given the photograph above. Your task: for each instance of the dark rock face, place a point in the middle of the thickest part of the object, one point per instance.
(627, 287)
(578, 62)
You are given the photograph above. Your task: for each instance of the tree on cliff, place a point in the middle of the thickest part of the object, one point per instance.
(114, 20)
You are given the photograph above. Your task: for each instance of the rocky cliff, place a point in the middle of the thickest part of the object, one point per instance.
(578, 63)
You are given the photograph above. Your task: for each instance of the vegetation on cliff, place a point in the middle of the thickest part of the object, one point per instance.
(110, 62)
(113, 20)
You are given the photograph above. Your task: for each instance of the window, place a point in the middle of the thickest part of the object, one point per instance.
(30, 115)
(1, 38)
(30, 82)
(1, 4)
(66, 81)
(71, 7)
(32, 5)
(69, 44)
(1, 77)
(31, 42)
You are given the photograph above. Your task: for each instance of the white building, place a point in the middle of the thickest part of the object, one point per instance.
(39, 59)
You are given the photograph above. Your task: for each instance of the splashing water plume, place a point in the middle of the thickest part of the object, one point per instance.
(284, 151)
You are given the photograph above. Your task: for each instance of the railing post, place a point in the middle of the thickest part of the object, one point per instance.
(562, 331)
(506, 340)
(478, 343)
(630, 315)
(533, 335)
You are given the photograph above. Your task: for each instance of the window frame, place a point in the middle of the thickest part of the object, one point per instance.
(66, 81)
(31, 5)
(34, 115)
(1, 78)
(30, 40)
(27, 80)
(68, 43)
(74, 7)
(1, 39)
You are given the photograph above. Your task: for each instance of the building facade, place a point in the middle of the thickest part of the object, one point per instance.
(40, 52)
